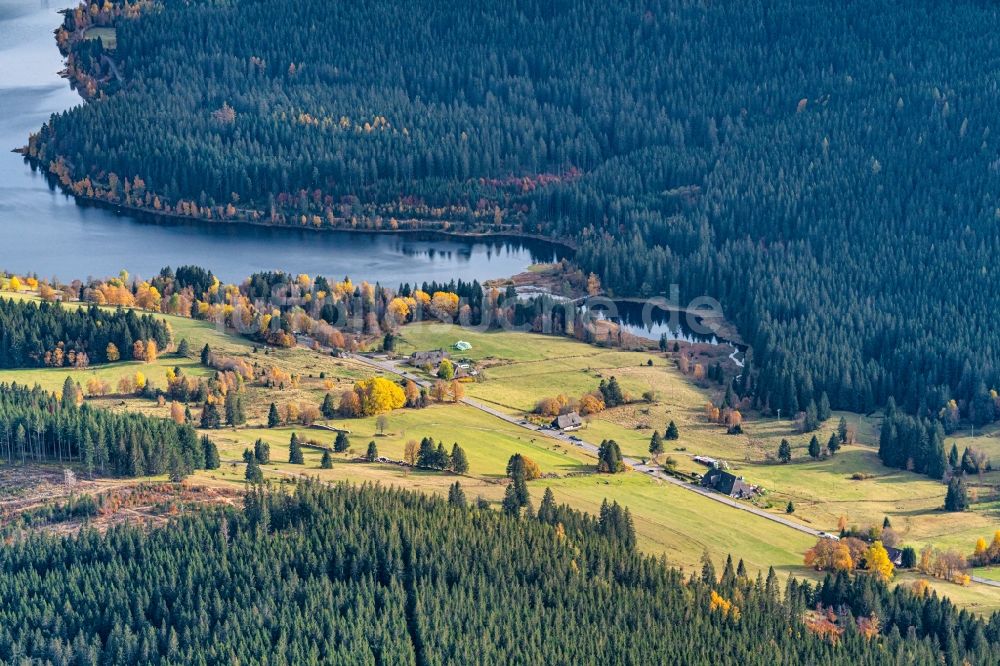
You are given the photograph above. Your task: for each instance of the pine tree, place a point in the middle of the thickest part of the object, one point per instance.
(176, 470)
(253, 472)
(842, 430)
(295, 456)
(814, 448)
(784, 451)
(790, 507)
(810, 421)
(210, 418)
(459, 461)
(273, 418)
(69, 394)
(609, 458)
(456, 496)
(372, 454)
(833, 443)
(707, 569)
(211, 453)
(672, 434)
(341, 442)
(206, 353)
(823, 409)
(953, 456)
(183, 348)
(511, 505)
(326, 462)
(328, 409)
(655, 444)
(547, 509)
(262, 452)
(957, 497)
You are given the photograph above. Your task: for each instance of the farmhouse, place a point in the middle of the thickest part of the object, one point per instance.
(419, 359)
(895, 556)
(727, 484)
(567, 422)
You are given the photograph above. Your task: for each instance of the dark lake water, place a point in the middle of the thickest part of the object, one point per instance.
(655, 322)
(44, 231)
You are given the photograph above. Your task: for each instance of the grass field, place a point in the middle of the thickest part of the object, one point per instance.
(522, 368)
(683, 525)
(668, 520)
(488, 442)
(339, 373)
(107, 35)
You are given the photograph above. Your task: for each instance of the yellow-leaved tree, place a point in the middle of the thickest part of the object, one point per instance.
(379, 395)
(878, 562)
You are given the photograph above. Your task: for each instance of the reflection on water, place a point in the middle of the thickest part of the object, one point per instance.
(655, 322)
(44, 231)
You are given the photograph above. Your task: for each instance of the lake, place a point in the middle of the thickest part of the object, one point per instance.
(46, 232)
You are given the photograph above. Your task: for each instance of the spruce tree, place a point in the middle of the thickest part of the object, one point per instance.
(456, 496)
(671, 433)
(210, 418)
(328, 409)
(211, 453)
(262, 451)
(823, 408)
(69, 394)
(273, 418)
(326, 462)
(814, 448)
(655, 444)
(341, 442)
(372, 454)
(253, 472)
(206, 353)
(957, 497)
(784, 451)
(547, 509)
(459, 461)
(183, 348)
(833, 443)
(295, 456)
(810, 421)
(511, 504)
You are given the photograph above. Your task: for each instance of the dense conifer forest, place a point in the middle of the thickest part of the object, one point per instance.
(36, 425)
(827, 171)
(48, 334)
(376, 576)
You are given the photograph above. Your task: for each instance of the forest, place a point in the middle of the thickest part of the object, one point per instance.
(372, 575)
(50, 335)
(36, 426)
(826, 171)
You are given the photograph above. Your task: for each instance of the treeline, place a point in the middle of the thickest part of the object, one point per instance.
(36, 426)
(36, 335)
(376, 575)
(738, 166)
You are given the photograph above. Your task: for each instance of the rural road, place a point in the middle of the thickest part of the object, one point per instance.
(393, 367)
(985, 581)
